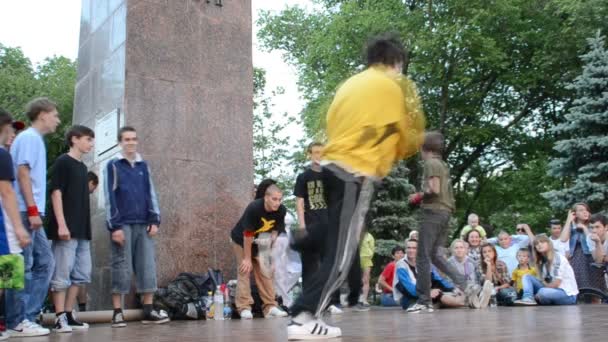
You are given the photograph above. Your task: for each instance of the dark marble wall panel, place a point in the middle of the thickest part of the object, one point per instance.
(85, 21)
(100, 89)
(83, 99)
(99, 13)
(119, 26)
(85, 53)
(181, 73)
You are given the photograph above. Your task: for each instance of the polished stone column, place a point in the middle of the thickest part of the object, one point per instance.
(180, 72)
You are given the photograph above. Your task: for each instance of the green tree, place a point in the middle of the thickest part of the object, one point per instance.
(55, 78)
(389, 215)
(583, 148)
(491, 74)
(271, 153)
(514, 196)
(17, 80)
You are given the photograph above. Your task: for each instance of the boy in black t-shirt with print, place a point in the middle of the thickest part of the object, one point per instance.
(263, 217)
(311, 209)
(70, 227)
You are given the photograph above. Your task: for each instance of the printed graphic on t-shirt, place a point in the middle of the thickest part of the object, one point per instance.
(316, 197)
(267, 225)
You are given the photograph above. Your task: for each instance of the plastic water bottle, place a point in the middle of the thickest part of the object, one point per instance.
(218, 304)
(493, 301)
(209, 305)
(227, 307)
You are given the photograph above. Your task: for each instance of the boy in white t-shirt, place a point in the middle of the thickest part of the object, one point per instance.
(507, 246)
(597, 240)
(559, 246)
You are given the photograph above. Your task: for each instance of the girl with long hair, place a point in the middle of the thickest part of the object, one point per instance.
(496, 271)
(556, 284)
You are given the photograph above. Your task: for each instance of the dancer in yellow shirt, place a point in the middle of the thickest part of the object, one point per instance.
(374, 120)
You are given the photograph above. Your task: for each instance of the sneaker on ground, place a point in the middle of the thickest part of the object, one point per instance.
(314, 329)
(334, 310)
(471, 297)
(360, 307)
(28, 329)
(4, 335)
(420, 308)
(74, 323)
(276, 312)
(486, 294)
(156, 317)
(118, 320)
(525, 302)
(246, 314)
(61, 324)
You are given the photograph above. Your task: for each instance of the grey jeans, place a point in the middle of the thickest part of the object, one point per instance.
(432, 239)
(138, 256)
(72, 263)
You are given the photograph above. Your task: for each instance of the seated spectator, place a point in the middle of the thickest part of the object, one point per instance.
(385, 281)
(557, 285)
(404, 282)
(598, 239)
(461, 261)
(520, 229)
(555, 227)
(472, 223)
(473, 238)
(508, 245)
(576, 230)
(523, 257)
(495, 271)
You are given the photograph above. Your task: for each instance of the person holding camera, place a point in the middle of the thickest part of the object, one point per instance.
(576, 230)
(556, 284)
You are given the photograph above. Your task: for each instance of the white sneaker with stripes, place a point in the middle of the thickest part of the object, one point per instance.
(314, 329)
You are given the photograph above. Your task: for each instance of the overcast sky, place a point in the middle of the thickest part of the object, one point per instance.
(43, 28)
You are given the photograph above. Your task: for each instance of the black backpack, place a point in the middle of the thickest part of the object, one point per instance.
(183, 298)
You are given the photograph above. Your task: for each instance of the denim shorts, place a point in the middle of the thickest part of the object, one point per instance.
(137, 255)
(72, 263)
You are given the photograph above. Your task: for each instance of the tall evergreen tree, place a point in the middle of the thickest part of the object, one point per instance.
(583, 150)
(390, 219)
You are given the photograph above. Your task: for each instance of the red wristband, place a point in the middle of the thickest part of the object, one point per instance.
(248, 233)
(32, 211)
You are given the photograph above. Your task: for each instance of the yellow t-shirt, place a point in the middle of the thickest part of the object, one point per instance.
(518, 275)
(374, 120)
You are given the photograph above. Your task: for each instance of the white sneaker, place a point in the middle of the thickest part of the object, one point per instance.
(74, 323)
(62, 325)
(246, 314)
(276, 312)
(314, 329)
(486, 294)
(28, 329)
(334, 310)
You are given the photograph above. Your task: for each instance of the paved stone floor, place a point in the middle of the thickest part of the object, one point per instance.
(522, 324)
